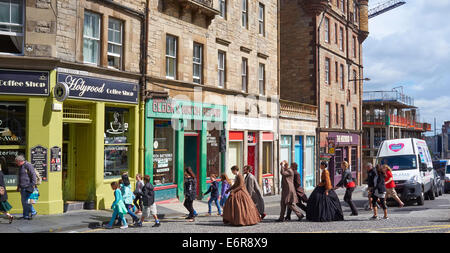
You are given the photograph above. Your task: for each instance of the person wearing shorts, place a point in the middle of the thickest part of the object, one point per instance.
(390, 186)
(148, 199)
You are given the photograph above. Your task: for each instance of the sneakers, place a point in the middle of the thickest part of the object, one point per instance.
(124, 227)
(374, 218)
(108, 226)
(386, 218)
(156, 225)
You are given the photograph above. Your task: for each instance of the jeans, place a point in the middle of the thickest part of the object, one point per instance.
(348, 199)
(216, 201)
(223, 200)
(188, 203)
(138, 202)
(121, 218)
(27, 208)
(130, 212)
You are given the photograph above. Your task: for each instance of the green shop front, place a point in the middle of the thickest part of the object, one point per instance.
(180, 134)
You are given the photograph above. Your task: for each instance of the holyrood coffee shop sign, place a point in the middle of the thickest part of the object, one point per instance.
(93, 88)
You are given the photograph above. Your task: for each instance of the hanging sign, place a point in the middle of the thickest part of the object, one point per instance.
(39, 160)
(24, 82)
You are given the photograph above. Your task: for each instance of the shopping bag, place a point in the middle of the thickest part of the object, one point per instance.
(33, 197)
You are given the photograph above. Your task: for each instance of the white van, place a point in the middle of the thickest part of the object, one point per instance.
(411, 165)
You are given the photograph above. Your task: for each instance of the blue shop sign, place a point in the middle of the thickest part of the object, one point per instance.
(24, 82)
(93, 88)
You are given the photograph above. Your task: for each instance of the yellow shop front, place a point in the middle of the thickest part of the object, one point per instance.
(79, 143)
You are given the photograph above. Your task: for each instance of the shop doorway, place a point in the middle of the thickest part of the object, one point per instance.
(191, 154)
(78, 174)
(252, 152)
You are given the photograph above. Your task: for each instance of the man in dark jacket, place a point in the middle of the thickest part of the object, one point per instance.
(26, 185)
(371, 179)
(148, 199)
(301, 195)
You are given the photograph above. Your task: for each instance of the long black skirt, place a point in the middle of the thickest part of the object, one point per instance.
(322, 207)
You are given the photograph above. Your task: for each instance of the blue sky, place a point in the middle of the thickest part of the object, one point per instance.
(410, 47)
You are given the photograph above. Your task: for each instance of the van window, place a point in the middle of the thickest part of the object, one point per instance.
(401, 162)
(448, 169)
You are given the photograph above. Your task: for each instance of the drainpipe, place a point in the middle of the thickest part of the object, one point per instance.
(143, 84)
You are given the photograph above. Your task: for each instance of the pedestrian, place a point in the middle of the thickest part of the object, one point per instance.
(323, 203)
(239, 210)
(379, 193)
(288, 193)
(138, 194)
(254, 190)
(214, 190)
(118, 207)
(390, 185)
(127, 195)
(301, 195)
(226, 184)
(349, 184)
(149, 205)
(26, 186)
(4, 204)
(190, 192)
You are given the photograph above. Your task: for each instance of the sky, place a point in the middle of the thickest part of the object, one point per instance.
(410, 47)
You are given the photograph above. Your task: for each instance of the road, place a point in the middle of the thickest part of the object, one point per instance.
(432, 217)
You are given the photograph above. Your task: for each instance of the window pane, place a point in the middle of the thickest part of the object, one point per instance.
(163, 166)
(4, 11)
(16, 11)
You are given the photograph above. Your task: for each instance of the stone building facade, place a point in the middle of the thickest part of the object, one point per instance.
(326, 72)
(70, 73)
(220, 54)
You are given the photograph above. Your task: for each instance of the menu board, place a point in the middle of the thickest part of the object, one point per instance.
(39, 160)
(55, 159)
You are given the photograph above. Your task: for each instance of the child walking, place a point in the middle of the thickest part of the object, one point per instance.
(214, 189)
(118, 207)
(148, 199)
(138, 193)
(226, 184)
(128, 196)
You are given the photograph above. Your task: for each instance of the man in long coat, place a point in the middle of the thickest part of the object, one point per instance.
(301, 195)
(254, 190)
(288, 194)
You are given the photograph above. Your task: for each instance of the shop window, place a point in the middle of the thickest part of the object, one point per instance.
(11, 26)
(115, 31)
(267, 158)
(163, 150)
(117, 144)
(354, 159)
(91, 38)
(213, 155)
(12, 138)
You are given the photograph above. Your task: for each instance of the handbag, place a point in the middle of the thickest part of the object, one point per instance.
(2, 190)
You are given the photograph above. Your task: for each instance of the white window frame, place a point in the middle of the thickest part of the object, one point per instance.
(197, 61)
(262, 79)
(341, 38)
(16, 34)
(327, 30)
(221, 68)
(97, 40)
(244, 18)
(261, 19)
(169, 56)
(115, 43)
(244, 74)
(223, 8)
(327, 70)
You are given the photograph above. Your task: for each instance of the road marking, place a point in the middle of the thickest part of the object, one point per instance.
(387, 228)
(420, 230)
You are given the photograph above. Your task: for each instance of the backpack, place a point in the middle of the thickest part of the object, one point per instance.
(38, 176)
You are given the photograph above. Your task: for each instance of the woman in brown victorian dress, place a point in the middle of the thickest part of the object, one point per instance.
(240, 210)
(323, 203)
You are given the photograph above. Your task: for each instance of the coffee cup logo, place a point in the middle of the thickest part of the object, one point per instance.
(116, 126)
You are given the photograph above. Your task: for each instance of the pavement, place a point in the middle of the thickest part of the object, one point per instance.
(92, 219)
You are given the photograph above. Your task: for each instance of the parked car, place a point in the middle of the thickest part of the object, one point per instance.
(442, 168)
(412, 167)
